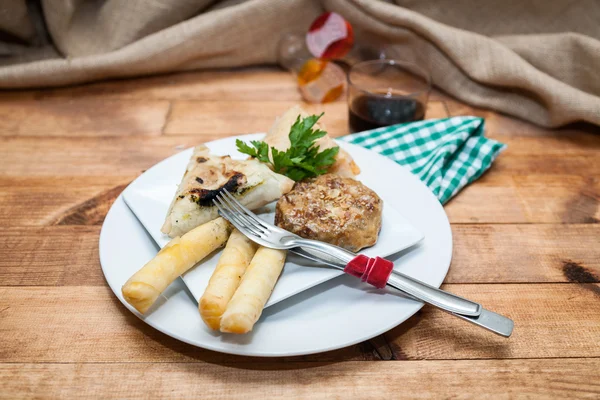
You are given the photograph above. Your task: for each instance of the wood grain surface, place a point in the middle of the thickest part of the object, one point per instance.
(526, 244)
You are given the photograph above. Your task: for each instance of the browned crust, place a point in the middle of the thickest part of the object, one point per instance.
(333, 209)
(205, 197)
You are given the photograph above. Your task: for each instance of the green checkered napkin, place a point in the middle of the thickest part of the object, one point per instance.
(446, 154)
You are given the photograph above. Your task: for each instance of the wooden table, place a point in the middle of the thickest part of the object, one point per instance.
(526, 244)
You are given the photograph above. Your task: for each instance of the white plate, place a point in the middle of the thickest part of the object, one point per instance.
(150, 195)
(335, 314)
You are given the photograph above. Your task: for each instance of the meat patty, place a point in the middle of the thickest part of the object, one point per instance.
(332, 209)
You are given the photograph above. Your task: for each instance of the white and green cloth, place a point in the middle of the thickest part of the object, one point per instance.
(446, 154)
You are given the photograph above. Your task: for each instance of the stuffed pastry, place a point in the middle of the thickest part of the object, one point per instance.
(250, 181)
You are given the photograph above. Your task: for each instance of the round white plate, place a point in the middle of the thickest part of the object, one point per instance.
(335, 314)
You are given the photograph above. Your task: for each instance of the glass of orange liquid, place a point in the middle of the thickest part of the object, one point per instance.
(319, 81)
(386, 92)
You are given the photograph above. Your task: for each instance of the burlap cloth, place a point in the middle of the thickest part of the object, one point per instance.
(535, 59)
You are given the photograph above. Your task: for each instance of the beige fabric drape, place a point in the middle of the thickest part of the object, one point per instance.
(535, 59)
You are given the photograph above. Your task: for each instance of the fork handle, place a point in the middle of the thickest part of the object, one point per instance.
(434, 296)
(417, 289)
(487, 319)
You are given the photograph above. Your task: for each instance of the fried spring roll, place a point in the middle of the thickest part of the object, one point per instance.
(178, 256)
(226, 278)
(256, 286)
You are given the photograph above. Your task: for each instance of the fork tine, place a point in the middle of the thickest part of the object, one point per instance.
(250, 218)
(245, 231)
(232, 217)
(239, 215)
(242, 209)
(228, 215)
(235, 205)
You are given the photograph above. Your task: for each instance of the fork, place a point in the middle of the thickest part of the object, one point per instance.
(268, 235)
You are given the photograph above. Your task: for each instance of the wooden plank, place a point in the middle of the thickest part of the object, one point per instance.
(500, 198)
(577, 199)
(89, 324)
(494, 198)
(238, 117)
(260, 83)
(523, 253)
(551, 145)
(87, 157)
(551, 320)
(227, 117)
(85, 324)
(98, 156)
(52, 256)
(543, 164)
(58, 200)
(67, 255)
(570, 378)
(71, 156)
(436, 109)
(501, 124)
(86, 116)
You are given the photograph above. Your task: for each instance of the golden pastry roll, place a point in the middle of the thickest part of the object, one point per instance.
(226, 278)
(256, 286)
(178, 256)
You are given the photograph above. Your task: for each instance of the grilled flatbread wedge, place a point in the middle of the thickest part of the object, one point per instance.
(250, 181)
(278, 137)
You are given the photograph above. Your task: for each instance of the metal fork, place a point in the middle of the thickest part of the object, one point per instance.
(269, 235)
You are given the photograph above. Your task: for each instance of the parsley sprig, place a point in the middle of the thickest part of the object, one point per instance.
(303, 158)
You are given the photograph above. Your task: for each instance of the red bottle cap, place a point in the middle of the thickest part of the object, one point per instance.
(330, 36)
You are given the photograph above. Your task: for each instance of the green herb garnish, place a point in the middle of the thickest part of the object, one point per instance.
(302, 159)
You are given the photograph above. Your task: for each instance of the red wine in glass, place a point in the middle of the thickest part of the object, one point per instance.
(370, 111)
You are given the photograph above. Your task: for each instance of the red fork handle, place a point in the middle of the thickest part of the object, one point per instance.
(375, 271)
